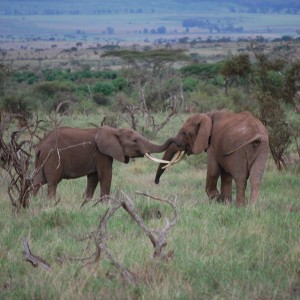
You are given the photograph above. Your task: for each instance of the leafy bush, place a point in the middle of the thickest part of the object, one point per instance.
(18, 104)
(104, 88)
(101, 99)
(28, 77)
(50, 88)
(189, 84)
(120, 83)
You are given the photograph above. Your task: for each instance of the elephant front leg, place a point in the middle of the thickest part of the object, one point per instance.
(52, 190)
(104, 170)
(92, 182)
(212, 175)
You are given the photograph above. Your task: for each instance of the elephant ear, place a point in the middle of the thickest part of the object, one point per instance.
(203, 126)
(109, 144)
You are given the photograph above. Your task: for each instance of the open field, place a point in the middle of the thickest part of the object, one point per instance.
(136, 28)
(220, 251)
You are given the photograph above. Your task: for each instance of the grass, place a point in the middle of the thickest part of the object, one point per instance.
(220, 251)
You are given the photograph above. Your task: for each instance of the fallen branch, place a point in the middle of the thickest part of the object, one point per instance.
(157, 238)
(34, 260)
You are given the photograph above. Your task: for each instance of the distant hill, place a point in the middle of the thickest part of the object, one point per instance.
(41, 7)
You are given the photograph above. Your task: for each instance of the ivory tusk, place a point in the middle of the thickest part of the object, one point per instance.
(158, 160)
(179, 156)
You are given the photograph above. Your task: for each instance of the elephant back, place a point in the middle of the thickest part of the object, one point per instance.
(233, 131)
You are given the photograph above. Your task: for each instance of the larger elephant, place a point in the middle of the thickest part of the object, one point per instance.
(237, 147)
(67, 153)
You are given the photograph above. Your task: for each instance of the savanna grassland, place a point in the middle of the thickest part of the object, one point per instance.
(215, 250)
(220, 251)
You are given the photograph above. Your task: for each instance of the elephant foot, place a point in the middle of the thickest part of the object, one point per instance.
(214, 196)
(103, 199)
(225, 198)
(241, 203)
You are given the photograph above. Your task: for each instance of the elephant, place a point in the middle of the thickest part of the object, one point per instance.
(237, 146)
(67, 153)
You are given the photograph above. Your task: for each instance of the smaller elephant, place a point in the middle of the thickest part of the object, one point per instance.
(67, 153)
(237, 147)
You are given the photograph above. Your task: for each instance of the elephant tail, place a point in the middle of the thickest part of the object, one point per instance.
(256, 140)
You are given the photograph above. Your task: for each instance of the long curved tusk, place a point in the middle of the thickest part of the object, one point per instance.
(158, 160)
(179, 156)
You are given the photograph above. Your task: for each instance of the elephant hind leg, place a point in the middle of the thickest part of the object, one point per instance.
(241, 184)
(226, 187)
(256, 175)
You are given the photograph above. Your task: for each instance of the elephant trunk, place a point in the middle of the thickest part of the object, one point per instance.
(153, 148)
(168, 155)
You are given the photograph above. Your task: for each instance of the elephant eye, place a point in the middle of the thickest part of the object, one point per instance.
(135, 140)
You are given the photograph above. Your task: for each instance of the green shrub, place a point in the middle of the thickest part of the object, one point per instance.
(101, 99)
(189, 84)
(104, 88)
(50, 88)
(120, 83)
(18, 104)
(28, 77)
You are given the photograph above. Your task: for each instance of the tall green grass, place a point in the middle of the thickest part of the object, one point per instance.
(220, 251)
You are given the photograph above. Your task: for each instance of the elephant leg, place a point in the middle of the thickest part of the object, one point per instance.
(226, 187)
(104, 171)
(92, 181)
(212, 176)
(256, 175)
(241, 184)
(36, 189)
(52, 181)
(52, 185)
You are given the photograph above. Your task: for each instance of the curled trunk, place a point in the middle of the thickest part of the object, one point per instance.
(168, 155)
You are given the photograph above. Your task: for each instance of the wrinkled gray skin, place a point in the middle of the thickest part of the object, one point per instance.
(237, 147)
(67, 153)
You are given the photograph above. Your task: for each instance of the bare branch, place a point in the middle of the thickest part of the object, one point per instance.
(33, 259)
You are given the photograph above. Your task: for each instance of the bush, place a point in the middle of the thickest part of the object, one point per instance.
(189, 84)
(50, 88)
(28, 77)
(101, 99)
(104, 88)
(18, 104)
(120, 83)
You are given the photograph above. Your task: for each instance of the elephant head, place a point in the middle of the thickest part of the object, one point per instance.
(122, 144)
(192, 138)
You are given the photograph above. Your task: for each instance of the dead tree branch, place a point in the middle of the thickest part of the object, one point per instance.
(158, 238)
(15, 158)
(33, 259)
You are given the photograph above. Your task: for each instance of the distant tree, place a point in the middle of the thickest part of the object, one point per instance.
(110, 30)
(235, 67)
(161, 30)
